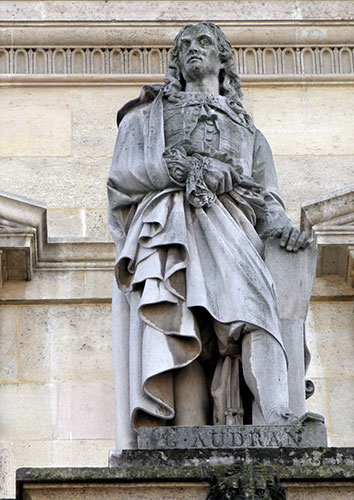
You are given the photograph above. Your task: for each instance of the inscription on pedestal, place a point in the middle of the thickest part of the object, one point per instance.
(308, 433)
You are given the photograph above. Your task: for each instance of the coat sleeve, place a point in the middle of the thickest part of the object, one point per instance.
(137, 166)
(264, 173)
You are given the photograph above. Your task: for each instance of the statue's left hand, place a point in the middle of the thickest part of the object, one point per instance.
(292, 239)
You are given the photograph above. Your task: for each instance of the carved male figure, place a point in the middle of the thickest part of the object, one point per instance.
(192, 197)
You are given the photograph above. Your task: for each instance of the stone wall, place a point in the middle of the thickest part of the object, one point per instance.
(65, 69)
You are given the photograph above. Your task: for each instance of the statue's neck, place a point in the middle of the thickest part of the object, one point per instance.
(207, 85)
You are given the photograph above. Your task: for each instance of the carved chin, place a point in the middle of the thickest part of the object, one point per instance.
(195, 69)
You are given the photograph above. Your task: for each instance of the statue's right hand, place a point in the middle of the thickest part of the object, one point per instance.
(220, 177)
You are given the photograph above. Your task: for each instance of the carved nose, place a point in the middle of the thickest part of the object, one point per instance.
(193, 46)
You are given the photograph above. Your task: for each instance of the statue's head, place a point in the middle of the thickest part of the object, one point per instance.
(199, 49)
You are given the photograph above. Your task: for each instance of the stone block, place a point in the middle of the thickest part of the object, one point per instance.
(330, 339)
(96, 224)
(34, 115)
(342, 407)
(94, 119)
(178, 10)
(27, 412)
(304, 120)
(86, 410)
(81, 346)
(64, 222)
(132, 491)
(8, 344)
(82, 180)
(80, 452)
(34, 344)
(46, 286)
(25, 454)
(318, 403)
(68, 286)
(341, 441)
(310, 432)
(5, 476)
(318, 491)
(302, 178)
(99, 284)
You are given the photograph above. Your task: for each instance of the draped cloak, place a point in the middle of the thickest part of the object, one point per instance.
(172, 258)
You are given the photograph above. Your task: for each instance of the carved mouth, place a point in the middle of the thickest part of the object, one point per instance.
(194, 58)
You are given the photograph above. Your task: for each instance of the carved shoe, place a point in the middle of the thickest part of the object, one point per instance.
(281, 416)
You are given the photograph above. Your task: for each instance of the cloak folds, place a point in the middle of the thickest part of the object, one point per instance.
(173, 257)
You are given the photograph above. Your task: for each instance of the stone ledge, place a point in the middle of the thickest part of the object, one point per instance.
(330, 220)
(240, 32)
(25, 245)
(292, 466)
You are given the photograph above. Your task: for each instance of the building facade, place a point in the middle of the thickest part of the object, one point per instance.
(66, 67)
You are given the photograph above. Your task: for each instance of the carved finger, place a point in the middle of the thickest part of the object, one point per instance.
(221, 186)
(308, 242)
(285, 236)
(300, 241)
(228, 182)
(292, 240)
(235, 178)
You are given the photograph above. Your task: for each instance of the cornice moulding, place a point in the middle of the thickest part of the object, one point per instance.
(25, 246)
(107, 33)
(138, 80)
(117, 65)
(330, 220)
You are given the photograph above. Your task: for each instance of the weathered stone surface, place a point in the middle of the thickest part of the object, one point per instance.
(8, 345)
(80, 341)
(34, 116)
(303, 178)
(131, 491)
(330, 339)
(31, 418)
(308, 433)
(80, 414)
(318, 491)
(80, 452)
(158, 34)
(309, 114)
(172, 11)
(34, 344)
(342, 407)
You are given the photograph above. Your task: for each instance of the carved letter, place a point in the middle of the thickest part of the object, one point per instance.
(256, 439)
(237, 438)
(171, 439)
(294, 435)
(274, 439)
(198, 438)
(214, 438)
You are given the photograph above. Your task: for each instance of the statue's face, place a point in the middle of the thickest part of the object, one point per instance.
(198, 54)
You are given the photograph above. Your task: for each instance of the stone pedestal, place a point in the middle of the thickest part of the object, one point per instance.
(309, 432)
(293, 473)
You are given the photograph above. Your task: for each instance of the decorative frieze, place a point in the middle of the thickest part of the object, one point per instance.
(249, 60)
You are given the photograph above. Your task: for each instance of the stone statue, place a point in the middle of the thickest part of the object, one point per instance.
(193, 196)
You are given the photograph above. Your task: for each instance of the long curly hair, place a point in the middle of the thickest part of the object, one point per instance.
(230, 82)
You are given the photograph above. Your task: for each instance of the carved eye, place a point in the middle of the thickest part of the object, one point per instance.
(204, 41)
(260, 492)
(185, 43)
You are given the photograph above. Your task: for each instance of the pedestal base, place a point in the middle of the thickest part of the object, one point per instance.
(309, 432)
(299, 474)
